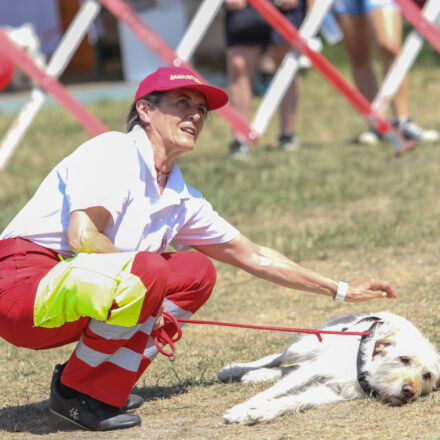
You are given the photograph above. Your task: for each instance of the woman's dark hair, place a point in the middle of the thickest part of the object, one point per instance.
(133, 118)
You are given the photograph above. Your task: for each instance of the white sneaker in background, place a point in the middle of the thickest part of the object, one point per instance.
(370, 137)
(412, 131)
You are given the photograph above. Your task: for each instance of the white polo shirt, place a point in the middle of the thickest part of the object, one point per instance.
(116, 170)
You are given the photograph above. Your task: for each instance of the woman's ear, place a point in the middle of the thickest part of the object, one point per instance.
(143, 110)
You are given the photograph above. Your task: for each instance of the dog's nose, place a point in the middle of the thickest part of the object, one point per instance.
(408, 390)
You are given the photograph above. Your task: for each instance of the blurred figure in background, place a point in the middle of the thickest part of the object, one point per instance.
(363, 22)
(247, 34)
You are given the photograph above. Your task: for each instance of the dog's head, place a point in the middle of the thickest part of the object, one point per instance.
(403, 366)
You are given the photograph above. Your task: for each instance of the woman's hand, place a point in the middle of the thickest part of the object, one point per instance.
(368, 290)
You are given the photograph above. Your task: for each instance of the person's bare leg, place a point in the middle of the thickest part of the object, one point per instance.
(386, 26)
(289, 103)
(241, 65)
(357, 40)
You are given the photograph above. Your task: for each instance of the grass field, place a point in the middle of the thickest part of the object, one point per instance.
(336, 207)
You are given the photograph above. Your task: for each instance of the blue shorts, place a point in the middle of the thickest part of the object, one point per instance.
(360, 7)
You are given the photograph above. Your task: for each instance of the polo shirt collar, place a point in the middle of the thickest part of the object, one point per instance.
(176, 188)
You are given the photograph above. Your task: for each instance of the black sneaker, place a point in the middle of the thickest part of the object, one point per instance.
(288, 142)
(87, 412)
(239, 150)
(412, 131)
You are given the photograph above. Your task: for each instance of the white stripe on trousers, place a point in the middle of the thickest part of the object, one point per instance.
(123, 357)
(108, 331)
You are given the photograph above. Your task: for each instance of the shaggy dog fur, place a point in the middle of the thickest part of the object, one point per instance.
(398, 364)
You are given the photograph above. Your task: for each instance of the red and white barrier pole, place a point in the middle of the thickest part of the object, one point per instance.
(146, 35)
(196, 30)
(56, 66)
(289, 67)
(401, 66)
(359, 102)
(50, 84)
(412, 13)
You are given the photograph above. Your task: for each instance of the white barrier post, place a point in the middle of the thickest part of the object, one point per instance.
(58, 62)
(289, 67)
(401, 66)
(197, 28)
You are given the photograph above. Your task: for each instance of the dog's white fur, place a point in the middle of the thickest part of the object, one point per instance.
(401, 365)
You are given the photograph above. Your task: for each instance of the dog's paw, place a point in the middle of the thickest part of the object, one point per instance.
(263, 413)
(238, 414)
(232, 372)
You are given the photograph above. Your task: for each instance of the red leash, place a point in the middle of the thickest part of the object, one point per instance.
(318, 333)
(161, 337)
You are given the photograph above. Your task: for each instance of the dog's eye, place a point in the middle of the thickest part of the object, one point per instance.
(427, 376)
(405, 360)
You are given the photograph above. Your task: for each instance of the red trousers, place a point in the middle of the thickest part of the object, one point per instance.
(108, 359)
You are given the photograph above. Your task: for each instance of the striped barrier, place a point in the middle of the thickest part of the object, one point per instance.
(412, 13)
(56, 66)
(289, 67)
(357, 100)
(50, 85)
(401, 66)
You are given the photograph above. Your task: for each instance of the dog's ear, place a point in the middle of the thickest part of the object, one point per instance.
(381, 345)
(437, 384)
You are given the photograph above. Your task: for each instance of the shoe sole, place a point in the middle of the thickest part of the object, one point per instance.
(69, 420)
(89, 429)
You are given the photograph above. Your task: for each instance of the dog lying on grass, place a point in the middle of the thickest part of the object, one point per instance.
(395, 364)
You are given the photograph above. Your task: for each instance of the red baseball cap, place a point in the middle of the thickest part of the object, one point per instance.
(169, 78)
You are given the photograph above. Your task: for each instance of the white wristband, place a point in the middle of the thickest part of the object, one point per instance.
(342, 291)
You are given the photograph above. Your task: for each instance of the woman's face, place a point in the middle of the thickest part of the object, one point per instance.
(177, 121)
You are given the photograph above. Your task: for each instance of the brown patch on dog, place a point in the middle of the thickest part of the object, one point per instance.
(381, 344)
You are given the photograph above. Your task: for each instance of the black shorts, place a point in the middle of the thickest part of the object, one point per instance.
(247, 27)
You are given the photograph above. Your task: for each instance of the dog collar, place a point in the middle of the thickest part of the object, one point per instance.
(360, 363)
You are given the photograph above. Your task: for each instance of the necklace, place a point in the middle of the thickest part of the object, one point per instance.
(161, 176)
